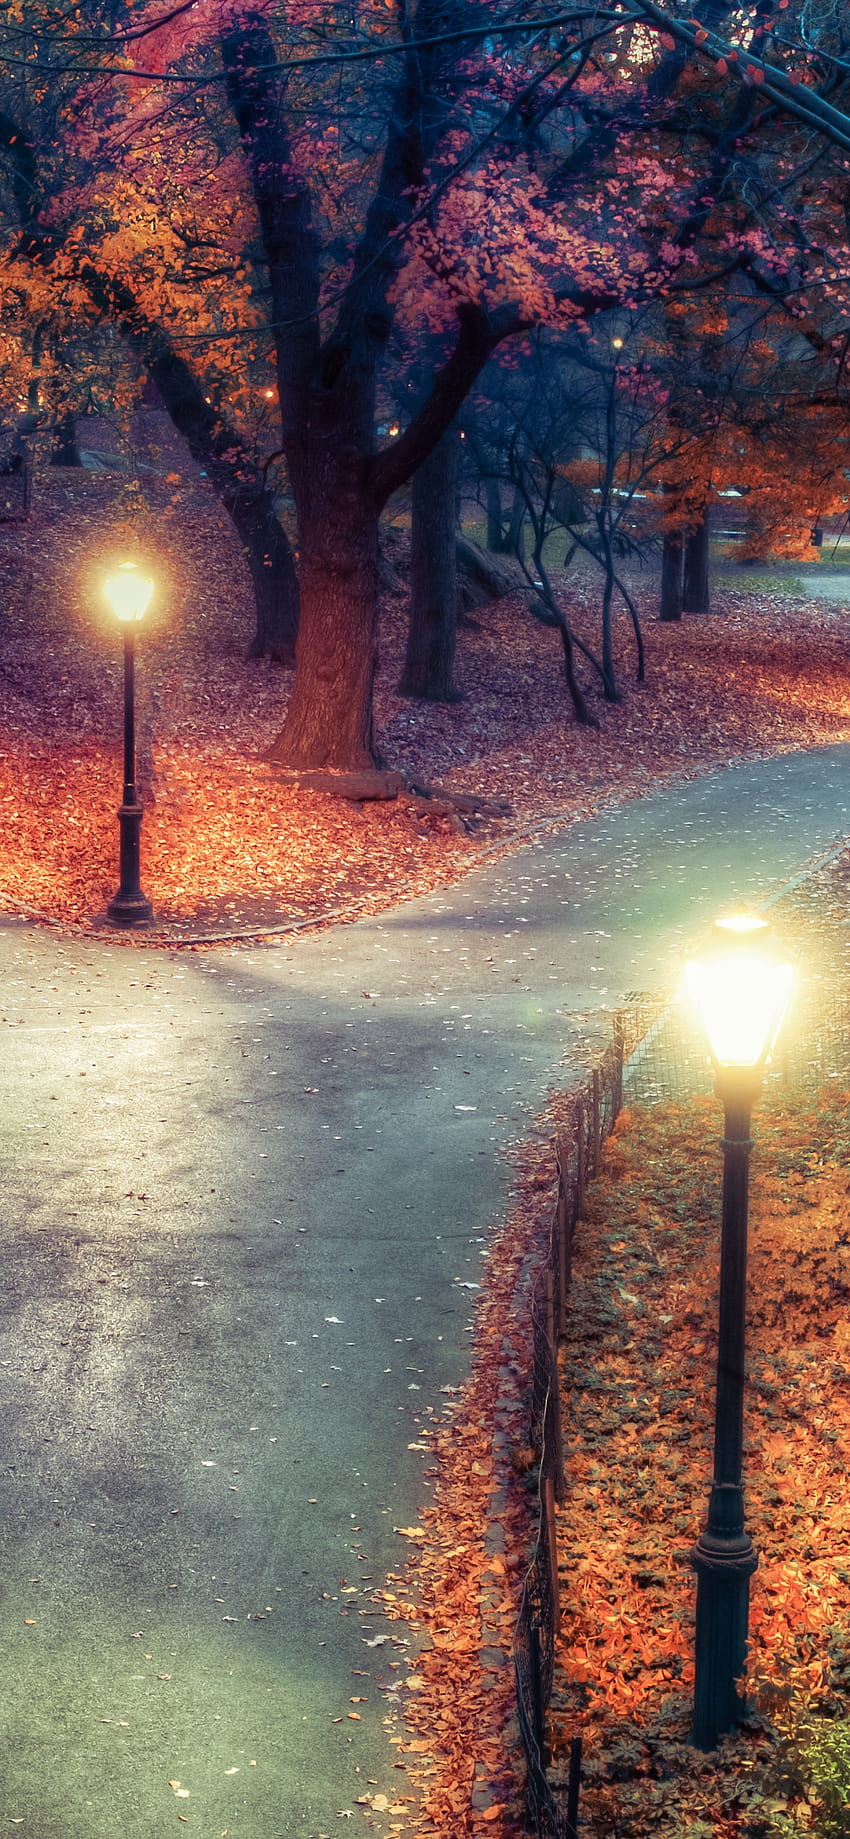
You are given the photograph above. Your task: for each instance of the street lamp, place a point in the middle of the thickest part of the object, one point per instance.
(129, 592)
(740, 987)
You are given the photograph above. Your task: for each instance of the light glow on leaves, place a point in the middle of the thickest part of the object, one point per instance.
(638, 1424)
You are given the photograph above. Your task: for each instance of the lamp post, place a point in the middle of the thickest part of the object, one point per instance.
(740, 987)
(129, 592)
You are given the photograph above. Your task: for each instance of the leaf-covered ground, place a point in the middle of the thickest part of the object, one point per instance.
(457, 1736)
(638, 1423)
(224, 843)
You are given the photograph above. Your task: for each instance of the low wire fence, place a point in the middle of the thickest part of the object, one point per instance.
(588, 1115)
(666, 1056)
(658, 1054)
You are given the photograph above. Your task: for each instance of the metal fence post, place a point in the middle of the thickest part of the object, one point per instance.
(561, 1249)
(548, 1501)
(581, 1165)
(538, 1708)
(553, 1447)
(573, 1787)
(594, 1115)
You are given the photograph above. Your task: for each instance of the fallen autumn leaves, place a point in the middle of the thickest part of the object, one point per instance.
(460, 1590)
(222, 837)
(224, 843)
(638, 1422)
(637, 1431)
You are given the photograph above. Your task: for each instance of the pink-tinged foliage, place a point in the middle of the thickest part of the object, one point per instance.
(282, 213)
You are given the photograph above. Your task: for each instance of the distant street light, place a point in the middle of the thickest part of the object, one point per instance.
(129, 593)
(740, 987)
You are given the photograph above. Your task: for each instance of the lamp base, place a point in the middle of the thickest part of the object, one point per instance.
(724, 1566)
(129, 909)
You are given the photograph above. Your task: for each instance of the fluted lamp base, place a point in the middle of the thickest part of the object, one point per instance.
(129, 907)
(724, 1567)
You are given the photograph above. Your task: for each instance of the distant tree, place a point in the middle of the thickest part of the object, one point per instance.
(428, 670)
(343, 186)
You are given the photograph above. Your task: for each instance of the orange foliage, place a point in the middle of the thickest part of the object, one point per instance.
(638, 1425)
(224, 844)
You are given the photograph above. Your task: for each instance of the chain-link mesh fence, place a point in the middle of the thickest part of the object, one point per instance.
(665, 1056)
(658, 1054)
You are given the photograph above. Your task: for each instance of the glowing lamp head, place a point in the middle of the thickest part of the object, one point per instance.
(128, 592)
(740, 987)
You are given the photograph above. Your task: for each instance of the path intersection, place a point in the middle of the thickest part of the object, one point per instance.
(247, 1192)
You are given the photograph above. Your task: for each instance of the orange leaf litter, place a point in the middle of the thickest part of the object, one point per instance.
(226, 844)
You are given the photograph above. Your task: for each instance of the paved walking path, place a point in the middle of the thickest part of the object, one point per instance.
(827, 584)
(245, 1194)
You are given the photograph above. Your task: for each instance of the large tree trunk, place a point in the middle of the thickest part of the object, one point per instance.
(329, 719)
(671, 576)
(695, 593)
(327, 387)
(429, 663)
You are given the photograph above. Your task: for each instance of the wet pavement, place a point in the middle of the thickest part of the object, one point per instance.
(247, 1192)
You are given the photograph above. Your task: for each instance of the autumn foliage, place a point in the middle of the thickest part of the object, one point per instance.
(283, 217)
(227, 846)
